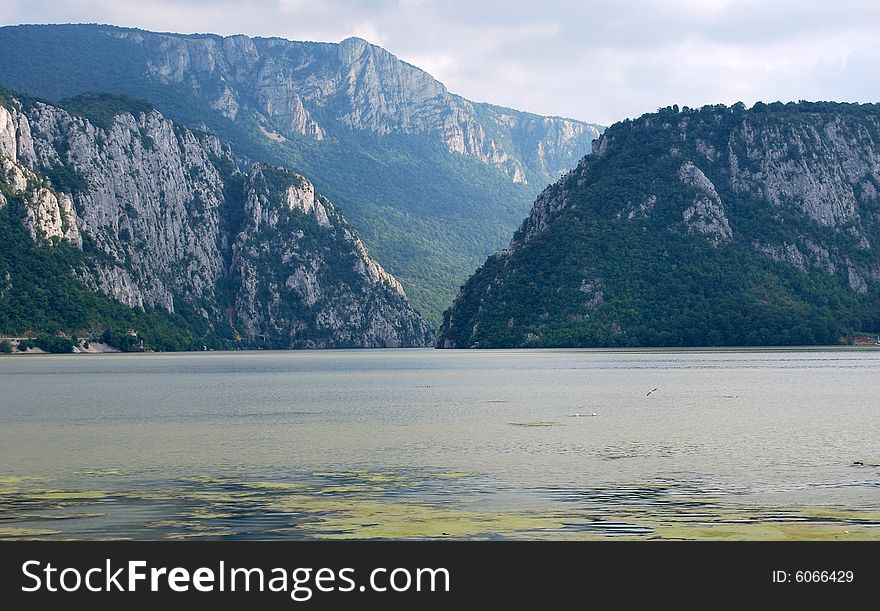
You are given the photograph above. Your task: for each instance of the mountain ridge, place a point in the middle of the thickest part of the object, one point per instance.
(432, 181)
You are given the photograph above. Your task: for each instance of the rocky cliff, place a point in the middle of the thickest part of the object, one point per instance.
(695, 227)
(169, 219)
(307, 87)
(431, 181)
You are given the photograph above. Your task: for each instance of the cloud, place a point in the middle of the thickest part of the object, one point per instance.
(599, 61)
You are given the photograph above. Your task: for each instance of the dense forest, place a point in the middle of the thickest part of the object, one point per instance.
(47, 302)
(624, 262)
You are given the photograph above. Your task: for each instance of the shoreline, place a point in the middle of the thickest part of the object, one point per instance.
(104, 349)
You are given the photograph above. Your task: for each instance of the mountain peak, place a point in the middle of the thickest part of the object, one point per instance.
(355, 41)
(353, 49)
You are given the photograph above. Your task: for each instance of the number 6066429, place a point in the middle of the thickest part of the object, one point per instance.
(823, 576)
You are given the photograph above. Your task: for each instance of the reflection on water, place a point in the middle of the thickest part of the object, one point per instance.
(437, 444)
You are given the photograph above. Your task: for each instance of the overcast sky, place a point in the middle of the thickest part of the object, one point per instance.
(597, 61)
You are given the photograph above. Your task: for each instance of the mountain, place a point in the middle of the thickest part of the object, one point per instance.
(114, 216)
(717, 226)
(432, 181)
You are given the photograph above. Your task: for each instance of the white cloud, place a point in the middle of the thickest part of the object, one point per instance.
(599, 61)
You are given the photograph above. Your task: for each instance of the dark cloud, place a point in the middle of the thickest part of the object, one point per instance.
(599, 61)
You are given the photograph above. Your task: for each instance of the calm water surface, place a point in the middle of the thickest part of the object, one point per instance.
(426, 443)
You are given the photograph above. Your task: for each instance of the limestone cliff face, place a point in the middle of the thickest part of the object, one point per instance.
(166, 220)
(294, 248)
(797, 184)
(50, 215)
(307, 88)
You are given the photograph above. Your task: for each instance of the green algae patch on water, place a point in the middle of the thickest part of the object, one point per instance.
(367, 483)
(352, 489)
(413, 504)
(70, 495)
(375, 477)
(453, 474)
(843, 515)
(179, 529)
(753, 523)
(13, 483)
(15, 532)
(272, 486)
(380, 520)
(763, 531)
(217, 497)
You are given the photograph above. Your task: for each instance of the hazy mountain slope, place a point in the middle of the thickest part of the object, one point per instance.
(719, 226)
(434, 182)
(161, 218)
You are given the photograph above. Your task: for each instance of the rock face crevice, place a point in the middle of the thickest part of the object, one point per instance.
(171, 222)
(706, 214)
